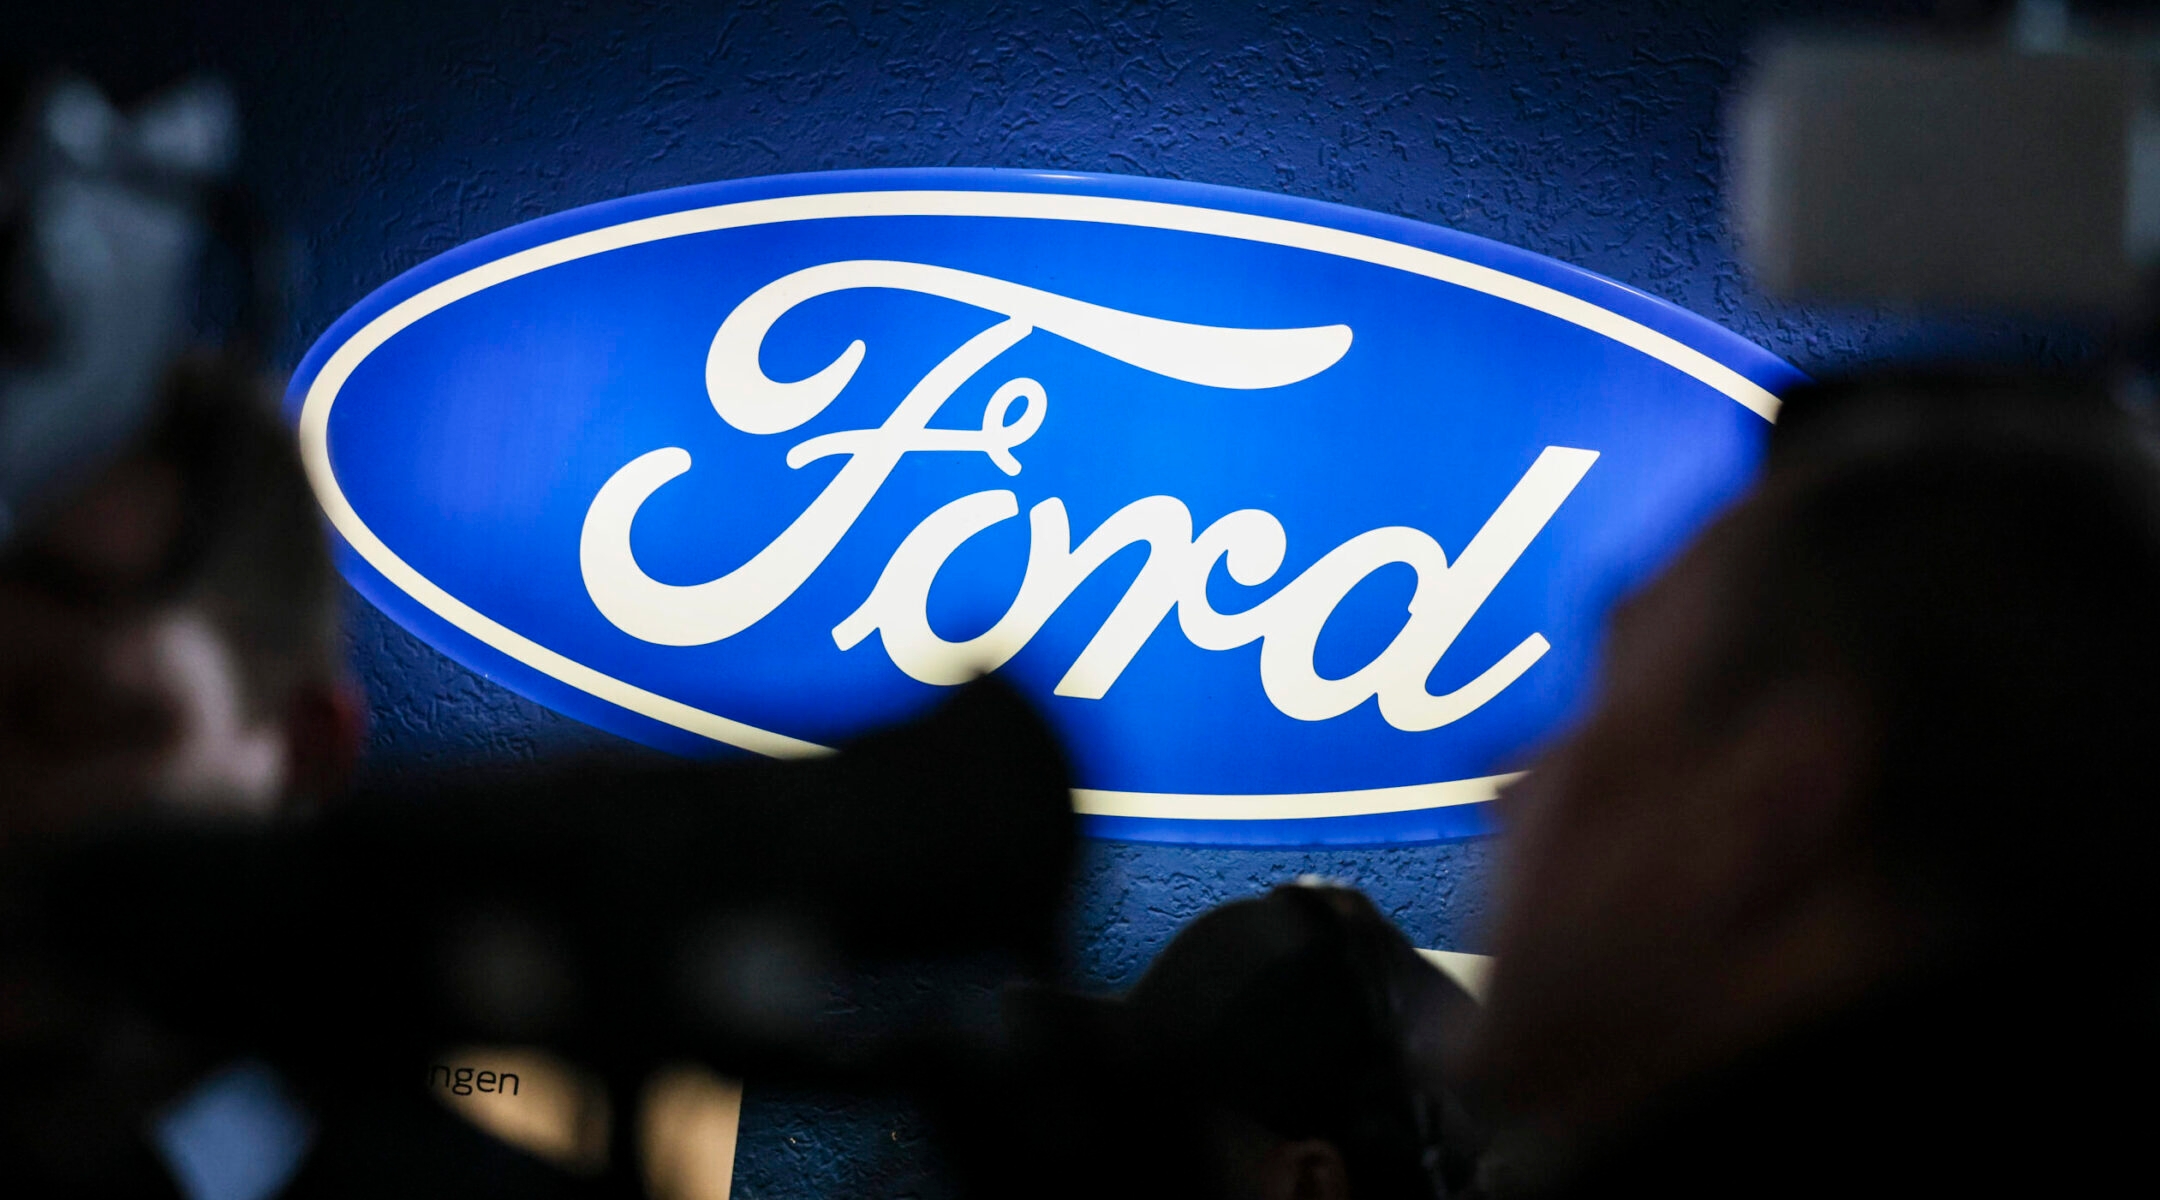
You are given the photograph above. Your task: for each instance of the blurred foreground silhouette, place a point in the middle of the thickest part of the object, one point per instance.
(1842, 885)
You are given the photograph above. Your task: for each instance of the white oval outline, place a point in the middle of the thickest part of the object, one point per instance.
(314, 432)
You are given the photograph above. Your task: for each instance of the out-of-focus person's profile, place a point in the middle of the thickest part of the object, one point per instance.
(1840, 887)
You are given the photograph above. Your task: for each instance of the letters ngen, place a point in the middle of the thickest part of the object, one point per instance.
(1249, 543)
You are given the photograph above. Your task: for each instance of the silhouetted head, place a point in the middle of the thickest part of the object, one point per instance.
(1284, 1047)
(168, 625)
(1887, 716)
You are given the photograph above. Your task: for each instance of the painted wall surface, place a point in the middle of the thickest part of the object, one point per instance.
(387, 133)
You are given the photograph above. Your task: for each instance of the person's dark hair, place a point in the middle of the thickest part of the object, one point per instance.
(1307, 1011)
(252, 549)
(1982, 557)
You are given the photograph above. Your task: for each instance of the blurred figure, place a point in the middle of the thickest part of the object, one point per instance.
(169, 639)
(168, 611)
(1841, 888)
(169, 631)
(169, 635)
(170, 646)
(1285, 1047)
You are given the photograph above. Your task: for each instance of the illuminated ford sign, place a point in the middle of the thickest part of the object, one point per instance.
(1300, 520)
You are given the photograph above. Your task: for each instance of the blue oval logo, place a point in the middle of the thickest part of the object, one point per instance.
(1300, 520)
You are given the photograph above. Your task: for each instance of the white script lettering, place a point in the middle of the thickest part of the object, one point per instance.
(1249, 543)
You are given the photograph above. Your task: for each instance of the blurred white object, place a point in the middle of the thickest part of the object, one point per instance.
(1958, 173)
(1470, 970)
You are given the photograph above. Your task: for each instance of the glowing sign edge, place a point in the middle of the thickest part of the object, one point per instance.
(330, 379)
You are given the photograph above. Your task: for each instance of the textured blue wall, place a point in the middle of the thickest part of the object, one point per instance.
(1585, 131)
